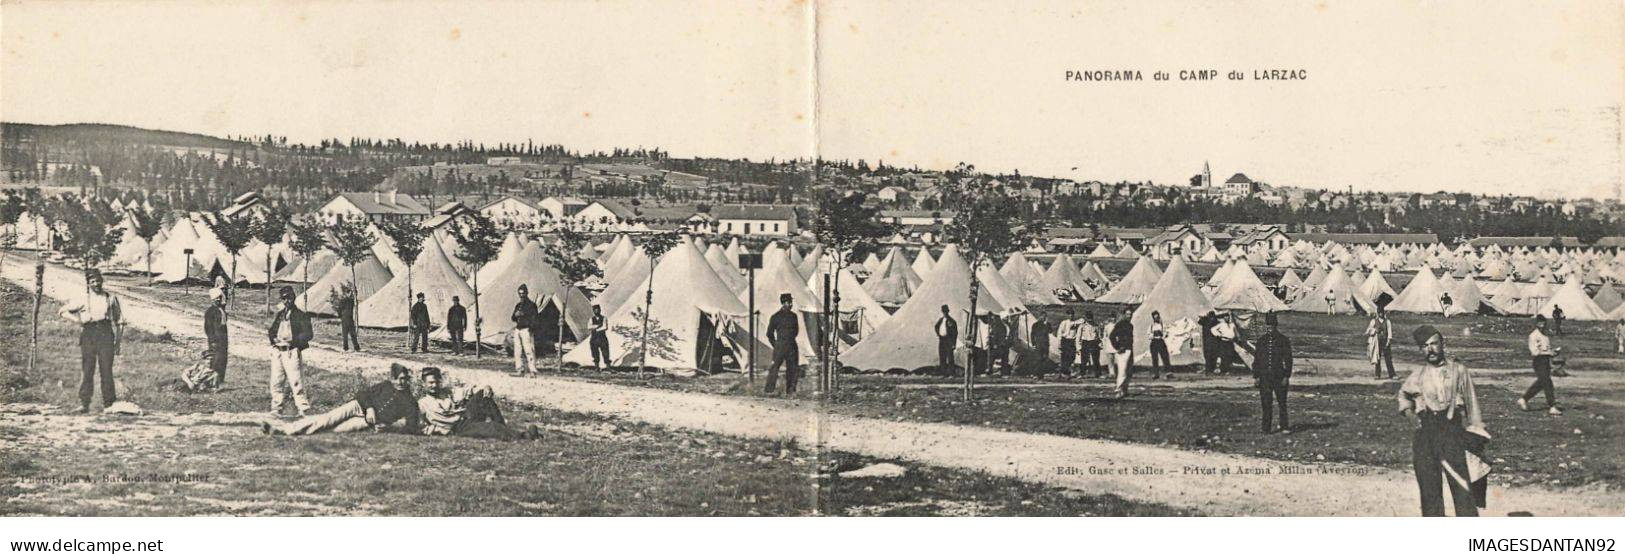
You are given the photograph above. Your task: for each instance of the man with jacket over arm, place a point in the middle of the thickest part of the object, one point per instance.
(1272, 371)
(290, 334)
(782, 330)
(524, 318)
(215, 330)
(1122, 339)
(947, 331)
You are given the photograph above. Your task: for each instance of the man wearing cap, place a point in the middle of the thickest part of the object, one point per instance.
(1088, 347)
(100, 319)
(1210, 341)
(419, 324)
(1272, 371)
(215, 330)
(1066, 333)
(290, 334)
(1379, 337)
(782, 331)
(599, 341)
(463, 411)
(456, 322)
(375, 407)
(947, 331)
(1448, 446)
(345, 306)
(1122, 341)
(524, 318)
(1540, 352)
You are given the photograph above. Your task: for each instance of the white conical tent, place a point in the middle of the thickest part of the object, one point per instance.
(892, 282)
(618, 289)
(131, 251)
(1423, 295)
(1506, 291)
(1571, 296)
(500, 293)
(251, 264)
(1373, 286)
(1336, 286)
(1242, 290)
(809, 263)
(617, 258)
(1063, 275)
(871, 263)
(369, 276)
(1218, 275)
(1315, 277)
(853, 299)
(1607, 298)
(432, 275)
(316, 266)
(1020, 274)
(1179, 301)
(1096, 278)
(1132, 289)
(688, 300)
(779, 276)
(1467, 298)
(1007, 294)
(729, 273)
(908, 340)
(923, 263)
(1100, 252)
(1128, 252)
(793, 254)
(170, 260)
(512, 247)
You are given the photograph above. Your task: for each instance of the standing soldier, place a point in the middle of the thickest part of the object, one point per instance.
(524, 317)
(1159, 348)
(215, 330)
(1067, 334)
(998, 344)
(100, 327)
(290, 334)
(1089, 347)
(1557, 320)
(345, 305)
(1379, 337)
(947, 331)
(782, 330)
(599, 342)
(1619, 334)
(419, 324)
(1540, 351)
(456, 321)
(1272, 371)
(1040, 341)
(1122, 340)
(1210, 341)
(1450, 434)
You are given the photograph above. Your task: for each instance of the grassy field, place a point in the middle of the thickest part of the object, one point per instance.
(57, 464)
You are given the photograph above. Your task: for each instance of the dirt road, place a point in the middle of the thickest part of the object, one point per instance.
(1212, 483)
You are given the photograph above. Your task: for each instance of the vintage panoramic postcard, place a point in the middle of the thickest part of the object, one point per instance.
(812, 258)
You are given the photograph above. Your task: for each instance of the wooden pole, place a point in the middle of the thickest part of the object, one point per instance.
(752, 313)
(825, 382)
(33, 327)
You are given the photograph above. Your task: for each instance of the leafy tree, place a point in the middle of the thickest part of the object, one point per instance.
(407, 236)
(848, 229)
(561, 253)
(352, 243)
(478, 240)
(309, 238)
(989, 226)
(92, 234)
(234, 234)
(147, 225)
(655, 246)
(11, 210)
(269, 228)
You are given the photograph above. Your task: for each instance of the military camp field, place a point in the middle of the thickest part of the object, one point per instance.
(204, 455)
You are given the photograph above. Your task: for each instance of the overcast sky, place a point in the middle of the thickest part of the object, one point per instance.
(1493, 97)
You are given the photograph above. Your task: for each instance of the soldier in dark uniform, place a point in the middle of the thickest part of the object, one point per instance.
(947, 331)
(456, 321)
(1272, 370)
(599, 342)
(215, 330)
(419, 324)
(1040, 341)
(345, 306)
(998, 346)
(782, 330)
(1210, 342)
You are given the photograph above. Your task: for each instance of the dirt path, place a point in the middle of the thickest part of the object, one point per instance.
(1213, 483)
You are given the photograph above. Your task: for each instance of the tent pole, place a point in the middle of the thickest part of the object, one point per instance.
(752, 295)
(828, 379)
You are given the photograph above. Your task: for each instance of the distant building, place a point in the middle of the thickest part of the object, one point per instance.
(249, 204)
(1238, 185)
(376, 206)
(893, 194)
(605, 212)
(562, 207)
(510, 210)
(917, 217)
(755, 220)
(504, 160)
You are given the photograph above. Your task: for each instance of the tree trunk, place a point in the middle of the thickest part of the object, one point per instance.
(972, 322)
(355, 298)
(558, 346)
(231, 281)
(150, 276)
(409, 339)
(33, 325)
(648, 302)
(477, 320)
(267, 280)
(304, 292)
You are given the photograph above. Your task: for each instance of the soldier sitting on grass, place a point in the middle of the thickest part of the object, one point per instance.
(464, 411)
